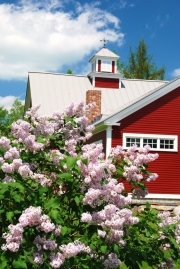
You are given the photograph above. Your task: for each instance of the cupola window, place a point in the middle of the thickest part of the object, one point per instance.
(106, 66)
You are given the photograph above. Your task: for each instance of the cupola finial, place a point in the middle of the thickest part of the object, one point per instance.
(105, 41)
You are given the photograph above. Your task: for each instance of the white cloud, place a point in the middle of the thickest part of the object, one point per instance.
(45, 38)
(175, 73)
(7, 101)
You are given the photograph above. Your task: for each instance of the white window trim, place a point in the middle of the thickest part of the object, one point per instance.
(152, 136)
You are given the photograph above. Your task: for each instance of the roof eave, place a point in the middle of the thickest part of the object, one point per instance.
(161, 91)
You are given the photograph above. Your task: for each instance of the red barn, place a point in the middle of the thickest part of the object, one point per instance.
(129, 111)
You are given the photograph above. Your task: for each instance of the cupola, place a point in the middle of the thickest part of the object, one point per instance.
(104, 72)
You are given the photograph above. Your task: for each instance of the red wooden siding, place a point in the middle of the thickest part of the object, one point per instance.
(160, 117)
(99, 65)
(97, 137)
(107, 83)
(113, 66)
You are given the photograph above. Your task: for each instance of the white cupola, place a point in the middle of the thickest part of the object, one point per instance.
(104, 72)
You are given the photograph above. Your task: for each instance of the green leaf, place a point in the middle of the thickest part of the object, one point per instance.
(144, 265)
(70, 162)
(77, 200)
(66, 176)
(103, 249)
(116, 248)
(3, 264)
(9, 215)
(42, 189)
(84, 161)
(64, 230)
(30, 259)
(54, 214)
(17, 212)
(19, 264)
(53, 202)
(123, 266)
(17, 198)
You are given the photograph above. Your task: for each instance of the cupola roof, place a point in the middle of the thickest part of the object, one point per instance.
(104, 53)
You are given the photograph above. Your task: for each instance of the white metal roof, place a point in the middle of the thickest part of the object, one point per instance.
(56, 91)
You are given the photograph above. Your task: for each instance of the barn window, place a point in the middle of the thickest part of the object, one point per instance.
(156, 142)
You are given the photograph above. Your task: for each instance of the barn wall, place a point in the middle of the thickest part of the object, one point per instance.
(160, 117)
(107, 82)
(97, 137)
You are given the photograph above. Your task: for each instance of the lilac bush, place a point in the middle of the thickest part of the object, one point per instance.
(62, 205)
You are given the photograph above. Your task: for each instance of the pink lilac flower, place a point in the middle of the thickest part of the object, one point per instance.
(56, 260)
(16, 164)
(24, 170)
(38, 258)
(4, 142)
(11, 154)
(20, 129)
(72, 249)
(86, 217)
(43, 243)
(112, 261)
(7, 168)
(42, 180)
(8, 179)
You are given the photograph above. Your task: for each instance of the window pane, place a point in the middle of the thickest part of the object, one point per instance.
(151, 142)
(130, 141)
(166, 144)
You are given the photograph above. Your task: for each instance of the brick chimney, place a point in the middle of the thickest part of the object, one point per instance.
(94, 96)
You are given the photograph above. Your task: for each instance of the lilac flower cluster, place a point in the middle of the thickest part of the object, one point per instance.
(30, 217)
(135, 159)
(167, 220)
(112, 220)
(112, 261)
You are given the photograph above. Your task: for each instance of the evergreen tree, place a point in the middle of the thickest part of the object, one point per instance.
(8, 117)
(16, 112)
(141, 65)
(69, 71)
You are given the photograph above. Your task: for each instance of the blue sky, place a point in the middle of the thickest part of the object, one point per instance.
(54, 35)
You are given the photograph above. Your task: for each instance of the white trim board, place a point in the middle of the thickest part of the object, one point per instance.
(160, 196)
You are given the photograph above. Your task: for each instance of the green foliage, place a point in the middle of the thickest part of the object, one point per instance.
(140, 64)
(16, 112)
(144, 246)
(8, 117)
